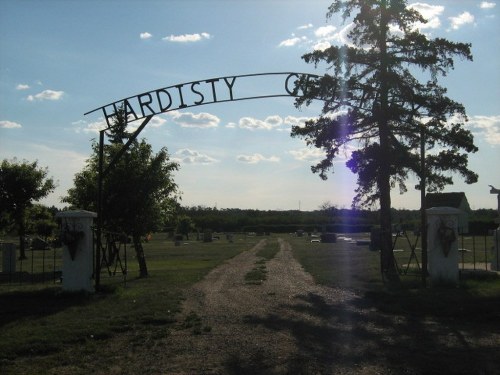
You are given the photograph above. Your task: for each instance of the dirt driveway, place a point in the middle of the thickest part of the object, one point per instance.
(290, 325)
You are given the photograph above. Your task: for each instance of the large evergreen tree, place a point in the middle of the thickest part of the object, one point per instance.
(373, 98)
(139, 193)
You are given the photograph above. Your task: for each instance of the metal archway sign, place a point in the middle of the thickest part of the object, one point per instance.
(146, 105)
(203, 92)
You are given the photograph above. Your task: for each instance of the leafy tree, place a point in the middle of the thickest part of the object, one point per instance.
(21, 184)
(185, 225)
(372, 98)
(139, 193)
(41, 220)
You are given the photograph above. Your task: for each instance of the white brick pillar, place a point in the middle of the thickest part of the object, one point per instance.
(442, 245)
(77, 240)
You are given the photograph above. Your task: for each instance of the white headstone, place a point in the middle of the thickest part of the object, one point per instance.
(77, 238)
(442, 245)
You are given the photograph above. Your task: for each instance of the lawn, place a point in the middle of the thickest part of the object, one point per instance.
(43, 328)
(39, 321)
(348, 265)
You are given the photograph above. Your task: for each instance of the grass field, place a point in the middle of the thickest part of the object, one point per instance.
(38, 320)
(345, 264)
(43, 328)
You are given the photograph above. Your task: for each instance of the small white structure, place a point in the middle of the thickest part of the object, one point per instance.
(442, 245)
(77, 239)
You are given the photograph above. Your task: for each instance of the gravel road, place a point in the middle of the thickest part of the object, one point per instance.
(281, 326)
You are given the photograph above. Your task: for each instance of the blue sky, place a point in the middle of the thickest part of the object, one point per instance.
(61, 59)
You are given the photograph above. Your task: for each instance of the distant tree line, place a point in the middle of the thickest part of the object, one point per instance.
(329, 219)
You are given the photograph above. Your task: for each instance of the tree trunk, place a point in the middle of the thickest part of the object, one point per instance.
(388, 267)
(141, 259)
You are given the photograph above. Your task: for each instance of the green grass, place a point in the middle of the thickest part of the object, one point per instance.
(40, 321)
(339, 264)
(259, 273)
(269, 251)
(347, 265)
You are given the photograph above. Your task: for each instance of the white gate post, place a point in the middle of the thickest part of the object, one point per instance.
(77, 239)
(442, 245)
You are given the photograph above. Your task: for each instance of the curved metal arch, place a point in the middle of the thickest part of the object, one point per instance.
(196, 93)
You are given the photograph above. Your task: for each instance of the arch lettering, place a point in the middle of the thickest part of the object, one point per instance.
(209, 91)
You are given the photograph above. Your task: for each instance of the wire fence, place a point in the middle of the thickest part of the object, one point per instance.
(39, 266)
(476, 252)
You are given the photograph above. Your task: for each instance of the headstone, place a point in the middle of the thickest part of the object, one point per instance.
(442, 245)
(8, 257)
(77, 241)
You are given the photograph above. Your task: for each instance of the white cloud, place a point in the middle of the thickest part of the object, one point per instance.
(22, 86)
(188, 156)
(487, 5)
(322, 45)
(430, 12)
(291, 42)
(190, 120)
(145, 35)
(487, 127)
(304, 27)
(327, 35)
(269, 123)
(256, 158)
(296, 121)
(46, 95)
(321, 38)
(308, 154)
(325, 31)
(92, 127)
(315, 155)
(187, 38)
(9, 125)
(460, 20)
(82, 126)
(156, 122)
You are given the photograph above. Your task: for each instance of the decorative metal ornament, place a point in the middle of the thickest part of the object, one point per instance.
(446, 236)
